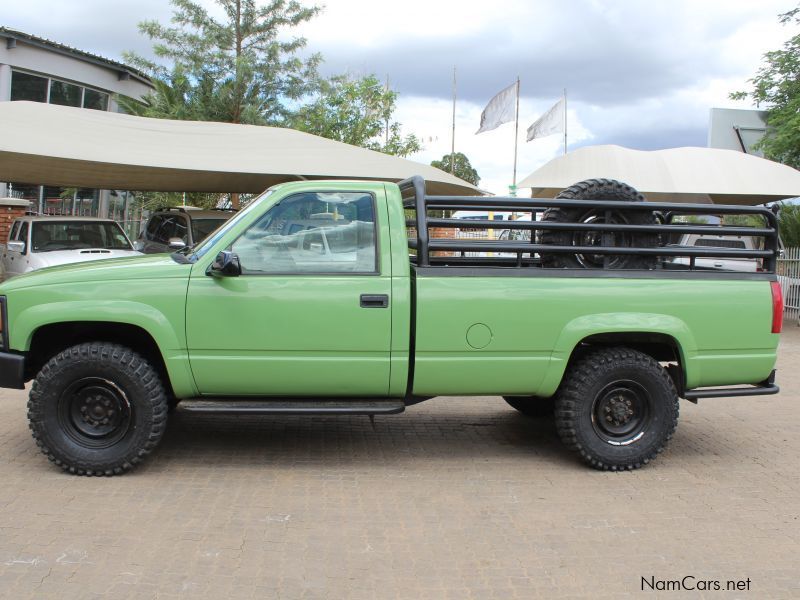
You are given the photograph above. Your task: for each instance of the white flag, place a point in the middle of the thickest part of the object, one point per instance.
(501, 109)
(549, 123)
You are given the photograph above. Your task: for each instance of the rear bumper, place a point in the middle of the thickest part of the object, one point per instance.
(12, 370)
(764, 388)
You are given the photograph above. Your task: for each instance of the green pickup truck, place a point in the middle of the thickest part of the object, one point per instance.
(350, 297)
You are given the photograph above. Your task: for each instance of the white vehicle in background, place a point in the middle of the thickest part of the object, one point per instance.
(517, 235)
(478, 215)
(37, 242)
(741, 242)
(475, 215)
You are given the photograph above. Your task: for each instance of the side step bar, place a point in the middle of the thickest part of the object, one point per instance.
(765, 388)
(282, 406)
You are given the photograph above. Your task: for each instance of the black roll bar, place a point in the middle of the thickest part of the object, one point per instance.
(415, 200)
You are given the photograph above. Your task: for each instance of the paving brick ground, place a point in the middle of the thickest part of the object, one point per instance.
(456, 498)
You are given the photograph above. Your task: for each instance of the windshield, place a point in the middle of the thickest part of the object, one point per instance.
(202, 228)
(204, 246)
(78, 235)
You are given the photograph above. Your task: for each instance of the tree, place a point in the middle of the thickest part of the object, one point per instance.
(460, 167)
(744, 221)
(241, 69)
(173, 98)
(789, 224)
(357, 112)
(777, 86)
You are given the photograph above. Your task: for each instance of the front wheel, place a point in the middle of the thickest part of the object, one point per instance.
(617, 408)
(97, 409)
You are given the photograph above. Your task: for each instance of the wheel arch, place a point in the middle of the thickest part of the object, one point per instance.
(154, 334)
(49, 339)
(663, 337)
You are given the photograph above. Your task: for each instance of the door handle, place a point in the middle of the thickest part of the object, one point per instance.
(374, 300)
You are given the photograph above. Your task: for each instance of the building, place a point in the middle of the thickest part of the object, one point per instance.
(40, 70)
(736, 129)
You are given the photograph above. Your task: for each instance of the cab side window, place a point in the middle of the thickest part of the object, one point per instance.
(312, 233)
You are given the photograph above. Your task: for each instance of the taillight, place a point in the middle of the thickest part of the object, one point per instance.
(777, 307)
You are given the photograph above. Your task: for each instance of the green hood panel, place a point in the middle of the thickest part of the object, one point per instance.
(153, 266)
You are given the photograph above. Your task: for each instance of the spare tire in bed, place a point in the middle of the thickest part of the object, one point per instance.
(599, 189)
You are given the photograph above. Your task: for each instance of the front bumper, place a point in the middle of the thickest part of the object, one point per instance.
(12, 370)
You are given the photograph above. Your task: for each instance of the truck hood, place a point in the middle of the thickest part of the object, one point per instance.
(66, 257)
(142, 266)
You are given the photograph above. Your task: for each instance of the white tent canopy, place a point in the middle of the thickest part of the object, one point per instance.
(63, 146)
(673, 175)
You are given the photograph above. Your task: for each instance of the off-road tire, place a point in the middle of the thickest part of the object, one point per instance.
(597, 382)
(97, 409)
(598, 189)
(532, 406)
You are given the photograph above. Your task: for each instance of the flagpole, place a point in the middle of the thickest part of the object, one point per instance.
(565, 120)
(387, 118)
(453, 136)
(516, 137)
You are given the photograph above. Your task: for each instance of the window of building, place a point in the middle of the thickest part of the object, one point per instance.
(56, 202)
(25, 86)
(86, 202)
(95, 100)
(28, 87)
(25, 191)
(65, 94)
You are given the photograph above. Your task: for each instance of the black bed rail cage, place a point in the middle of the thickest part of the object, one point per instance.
(597, 235)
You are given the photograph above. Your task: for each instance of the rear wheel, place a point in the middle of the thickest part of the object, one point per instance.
(599, 189)
(532, 406)
(617, 408)
(97, 409)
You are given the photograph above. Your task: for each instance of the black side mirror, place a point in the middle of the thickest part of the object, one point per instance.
(225, 265)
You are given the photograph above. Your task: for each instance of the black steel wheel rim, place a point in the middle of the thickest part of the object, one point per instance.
(94, 412)
(621, 412)
(595, 238)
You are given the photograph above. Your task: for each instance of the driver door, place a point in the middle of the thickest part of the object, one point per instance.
(310, 313)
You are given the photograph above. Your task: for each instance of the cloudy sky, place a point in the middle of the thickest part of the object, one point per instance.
(641, 74)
